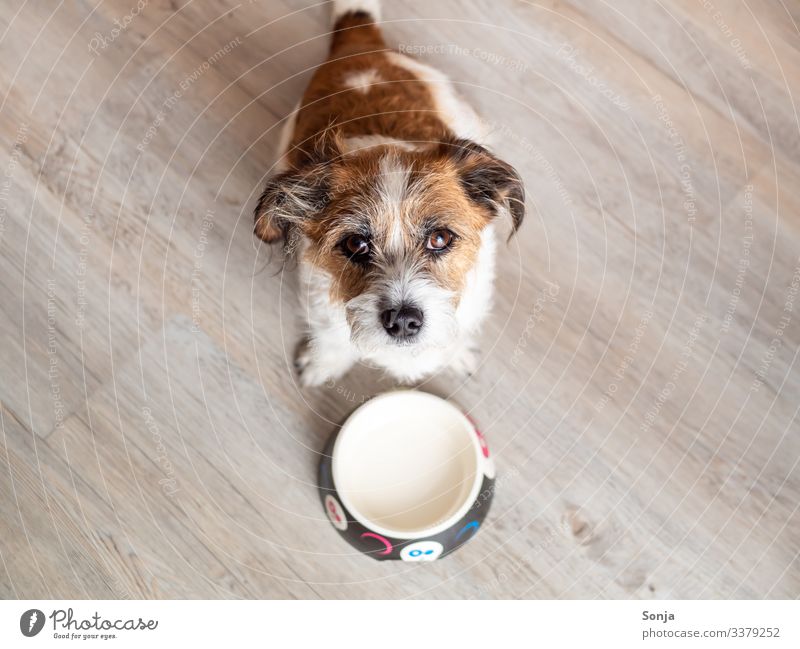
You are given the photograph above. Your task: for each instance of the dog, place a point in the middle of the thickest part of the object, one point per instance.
(389, 200)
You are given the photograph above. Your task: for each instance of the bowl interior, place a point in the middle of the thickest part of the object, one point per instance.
(406, 464)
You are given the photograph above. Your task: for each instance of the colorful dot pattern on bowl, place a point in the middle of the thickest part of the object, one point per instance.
(422, 551)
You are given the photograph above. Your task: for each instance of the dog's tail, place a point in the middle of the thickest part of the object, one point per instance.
(354, 27)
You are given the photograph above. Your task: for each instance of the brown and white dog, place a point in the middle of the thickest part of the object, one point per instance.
(388, 199)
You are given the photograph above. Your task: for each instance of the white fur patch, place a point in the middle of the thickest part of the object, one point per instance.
(358, 142)
(341, 7)
(362, 81)
(393, 182)
(391, 193)
(476, 298)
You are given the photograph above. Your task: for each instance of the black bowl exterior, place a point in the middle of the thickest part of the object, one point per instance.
(381, 547)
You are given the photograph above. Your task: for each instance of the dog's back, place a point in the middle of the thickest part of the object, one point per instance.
(366, 90)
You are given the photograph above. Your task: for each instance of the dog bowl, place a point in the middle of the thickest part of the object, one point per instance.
(407, 476)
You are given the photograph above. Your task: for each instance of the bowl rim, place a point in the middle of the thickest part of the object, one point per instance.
(450, 521)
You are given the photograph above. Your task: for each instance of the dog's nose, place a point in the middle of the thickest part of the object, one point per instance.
(404, 322)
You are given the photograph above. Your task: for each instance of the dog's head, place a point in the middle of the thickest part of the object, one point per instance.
(395, 231)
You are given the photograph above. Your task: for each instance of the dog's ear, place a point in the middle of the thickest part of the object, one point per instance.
(288, 198)
(297, 194)
(486, 179)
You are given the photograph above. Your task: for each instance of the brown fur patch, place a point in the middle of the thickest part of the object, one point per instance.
(355, 32)
(399, 105)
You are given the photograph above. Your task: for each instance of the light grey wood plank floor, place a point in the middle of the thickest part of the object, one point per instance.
(639, 381)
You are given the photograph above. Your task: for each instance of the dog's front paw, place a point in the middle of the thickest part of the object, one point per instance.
(466, 362)
(309, 373)
(315, 367)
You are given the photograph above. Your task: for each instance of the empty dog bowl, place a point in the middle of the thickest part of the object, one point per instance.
(407, 476)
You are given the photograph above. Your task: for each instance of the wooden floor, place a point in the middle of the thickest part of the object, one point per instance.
(639, 386)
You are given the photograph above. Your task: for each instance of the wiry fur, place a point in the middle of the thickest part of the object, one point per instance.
(377, 148)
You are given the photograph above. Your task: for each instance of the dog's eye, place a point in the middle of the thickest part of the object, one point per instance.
(439, 240)
(356, 247)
